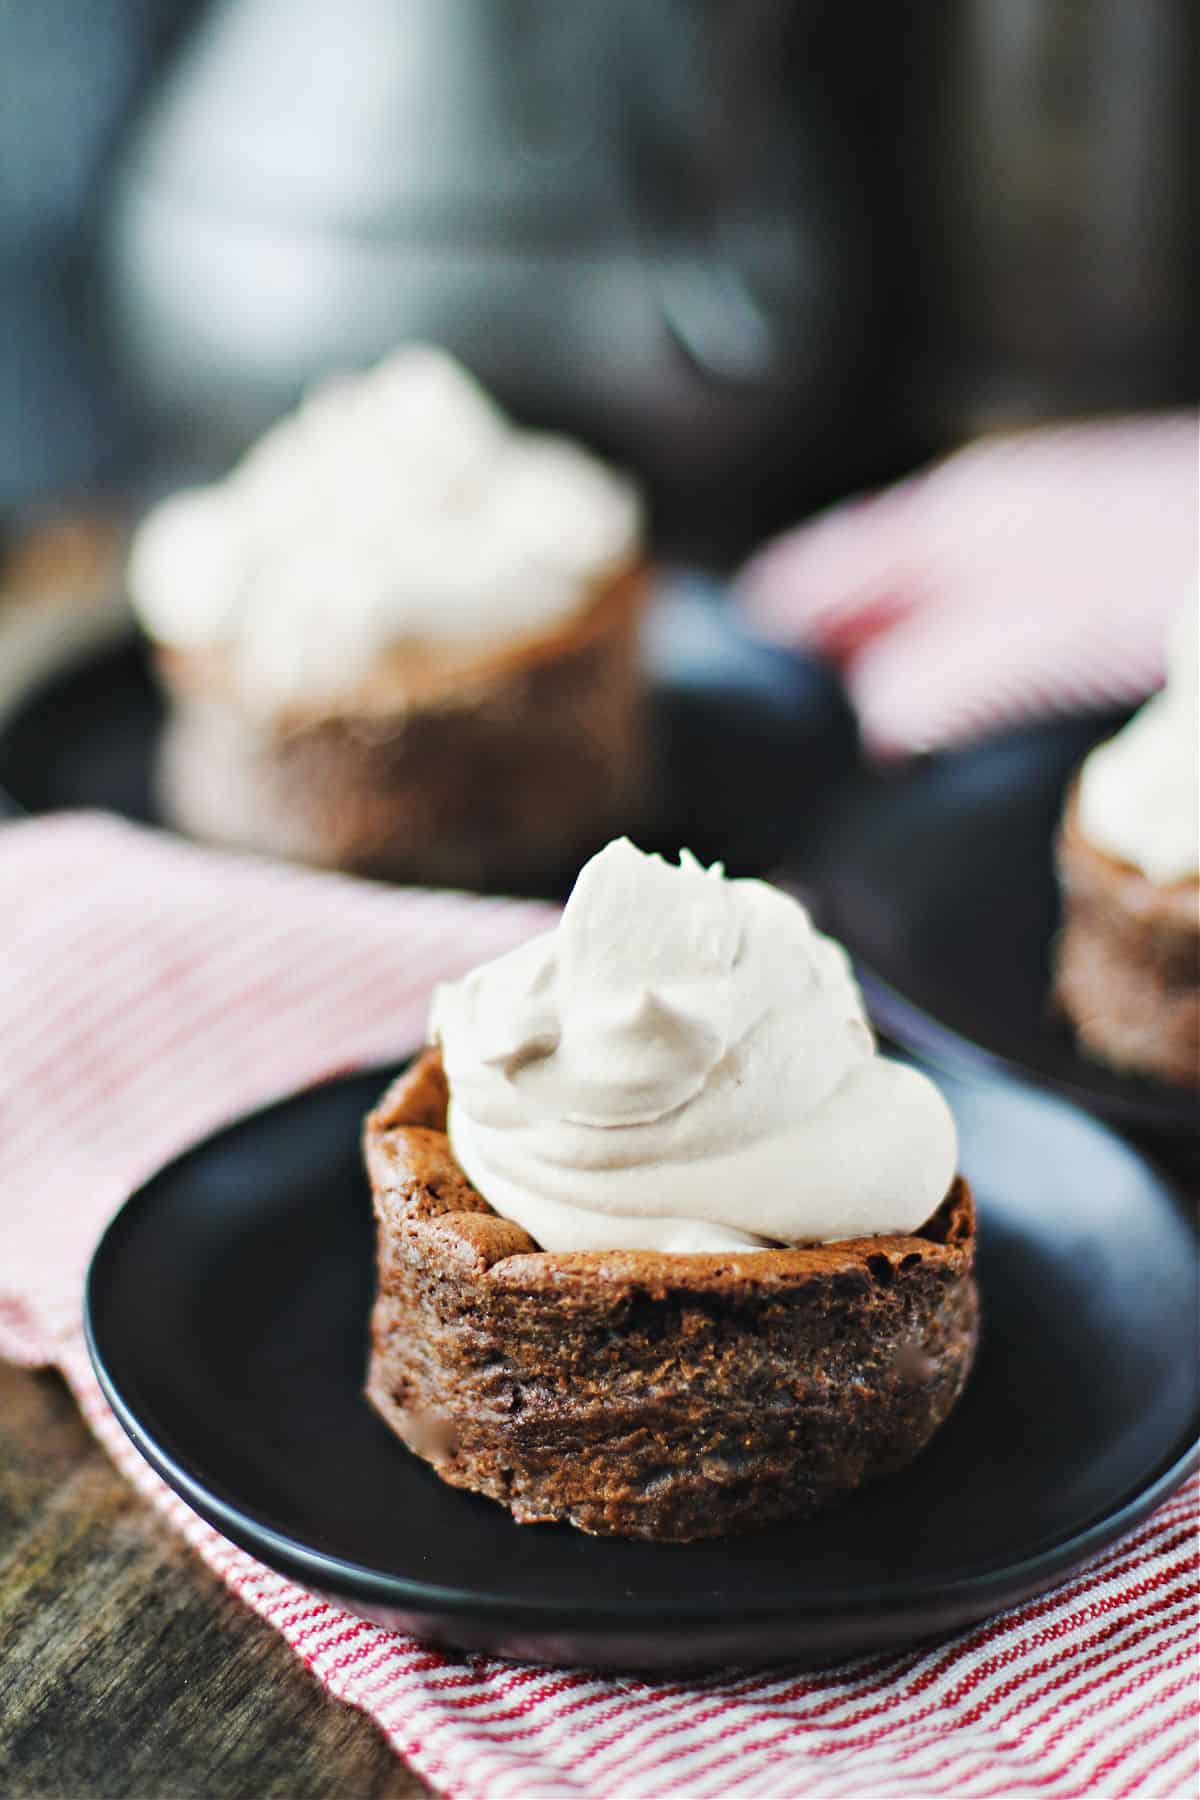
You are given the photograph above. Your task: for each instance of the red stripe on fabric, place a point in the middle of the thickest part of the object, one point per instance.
(1071, 1651)
(1100, 1707)
(1184, 1717)
(249, 949)
(1060, 1772)
(1027, 1724)
(809, 1729)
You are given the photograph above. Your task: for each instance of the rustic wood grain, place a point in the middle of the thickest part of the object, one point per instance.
(126, 1668)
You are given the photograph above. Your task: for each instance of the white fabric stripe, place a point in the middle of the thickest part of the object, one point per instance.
(937, 1762)
(1169, 1755)
(749, 1727)
(1059, 1764)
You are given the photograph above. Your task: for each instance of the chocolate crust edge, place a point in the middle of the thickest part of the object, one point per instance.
(485, 773)
(642, 1394)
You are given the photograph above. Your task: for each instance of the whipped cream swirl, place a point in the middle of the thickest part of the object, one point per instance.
(684, 1064)
(1139, 793)
(395, 508)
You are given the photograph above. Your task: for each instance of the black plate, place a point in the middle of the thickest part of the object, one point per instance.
(941, 884)
(740, 729)
(226, 1311)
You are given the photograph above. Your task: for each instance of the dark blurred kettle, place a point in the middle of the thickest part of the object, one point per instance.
(1060, 208)
(618, 215)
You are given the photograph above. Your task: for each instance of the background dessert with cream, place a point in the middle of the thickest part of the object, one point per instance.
(665, 1248)
(1128, 957)
(400, 636)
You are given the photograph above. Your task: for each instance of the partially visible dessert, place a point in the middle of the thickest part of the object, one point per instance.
(1127, 961)
(400, 637)
(666, 1249)
(60, 595)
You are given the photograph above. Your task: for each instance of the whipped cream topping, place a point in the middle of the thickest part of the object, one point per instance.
(393, 508)
(1139, 793)
(683, 1063)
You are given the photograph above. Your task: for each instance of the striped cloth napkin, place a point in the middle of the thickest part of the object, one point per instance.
(1024, 576)
(148, 992)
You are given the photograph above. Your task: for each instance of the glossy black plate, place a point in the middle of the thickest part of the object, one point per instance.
(741, 732)
(226, 1316)
(941, 884)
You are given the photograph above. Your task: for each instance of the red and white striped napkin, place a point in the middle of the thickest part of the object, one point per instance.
(1024, 576)
(149, 991)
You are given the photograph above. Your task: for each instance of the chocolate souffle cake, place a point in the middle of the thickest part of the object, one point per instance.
(665, 1248)
(1127, 961)
(400, 638)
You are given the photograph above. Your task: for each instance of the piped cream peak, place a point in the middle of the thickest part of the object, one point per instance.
(684, 1063)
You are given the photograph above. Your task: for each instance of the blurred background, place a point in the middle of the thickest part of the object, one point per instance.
(765, 253)
(762, 251)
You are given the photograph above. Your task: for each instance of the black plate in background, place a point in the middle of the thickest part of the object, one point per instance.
(226, 1311)
(741, 732)
(940, 882)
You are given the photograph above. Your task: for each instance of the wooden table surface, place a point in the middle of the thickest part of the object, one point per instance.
(126, 1667)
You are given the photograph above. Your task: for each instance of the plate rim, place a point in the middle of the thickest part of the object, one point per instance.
(966, 1595)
